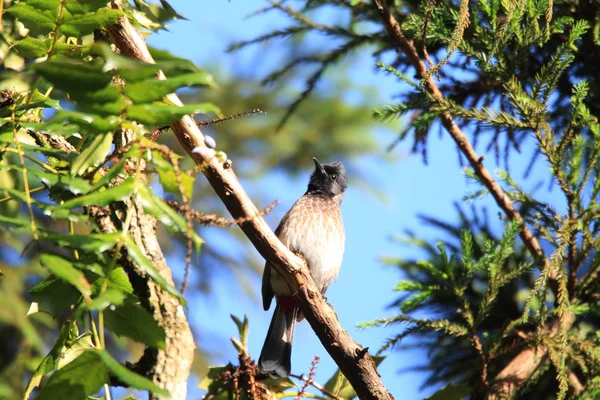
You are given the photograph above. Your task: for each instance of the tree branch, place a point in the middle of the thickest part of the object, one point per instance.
(520, 369)
(354, 361)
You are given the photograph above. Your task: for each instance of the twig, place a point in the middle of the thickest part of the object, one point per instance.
(360, 372)
(311, 376)
(317, 386)
(215, 220)
(518, 371)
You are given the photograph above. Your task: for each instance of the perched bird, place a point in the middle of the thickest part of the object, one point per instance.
(312, 228)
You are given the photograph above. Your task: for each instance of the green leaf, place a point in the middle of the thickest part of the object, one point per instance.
(145, 265)
(94, 243)
(168, 178)
(129, 377)
(82, 377)
(174, 222)
(118, 279)
(48, 363)
(133, 321)
(37, 21)
(86, 122)
(152, 90)
(133, 70)
(451, 392)
(159, 114)
(65, 270)
(115, 170)
(106, 101)
(83, 25)
(14, 223)
(74, 76)
(242, 328)
(54, 295)
(213, 373)
(32, 48)
(94, 153)
(76, 7)
(74, 350)
(63, 182)
(108, 298)
(340, 386)
(101, 198)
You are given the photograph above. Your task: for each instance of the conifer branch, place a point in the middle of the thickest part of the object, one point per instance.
(520, 369)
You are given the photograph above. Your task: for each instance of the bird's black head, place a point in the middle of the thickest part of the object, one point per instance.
(328, 179)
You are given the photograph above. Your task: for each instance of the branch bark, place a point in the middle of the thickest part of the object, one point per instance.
(354, 361)
(520, 369)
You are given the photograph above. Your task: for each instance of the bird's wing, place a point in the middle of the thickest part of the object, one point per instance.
(267, 291)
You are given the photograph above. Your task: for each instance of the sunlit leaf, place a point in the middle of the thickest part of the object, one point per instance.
(131, 320)
(65, 270)
(80, 378)
(30, 47)
(145, 265)
(159, 114)
(34, 19)
(54, 295)
(93, 153)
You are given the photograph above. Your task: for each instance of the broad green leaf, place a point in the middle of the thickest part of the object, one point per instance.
(95, 242)
(14, 223)
(74, 350)
(118, 279)
(133, 70)
(82, 377)
(129, 377)
(49, 362)
(37, 21)
(213, 373)
(93, 153)
(101, 198)
(115, 170)
(159, 114)
(74, 76)
(168, 178)
(145, 265)
(341, 387)
(65, 270)
(152, 90)
(30, 47)
(37, 100)
(174, 222)
(86, 122)
(106, 101)
(72, 184)
(133, 321)
(76, 7)
(451, 392)
(54, 295)
(106, 299)
(85, 24)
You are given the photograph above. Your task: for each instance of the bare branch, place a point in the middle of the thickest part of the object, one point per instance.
(354, 361)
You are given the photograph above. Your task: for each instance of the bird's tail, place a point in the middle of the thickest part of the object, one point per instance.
(275, 357)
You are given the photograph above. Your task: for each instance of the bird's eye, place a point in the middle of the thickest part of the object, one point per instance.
(334, 177)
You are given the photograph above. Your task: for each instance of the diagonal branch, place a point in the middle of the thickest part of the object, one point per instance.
(518, 371)
(354, 360)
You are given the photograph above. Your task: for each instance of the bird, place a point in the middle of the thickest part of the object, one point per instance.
(312, 228)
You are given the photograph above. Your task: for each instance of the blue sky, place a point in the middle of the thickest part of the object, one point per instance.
(364, 287)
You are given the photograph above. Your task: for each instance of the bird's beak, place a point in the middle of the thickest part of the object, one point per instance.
(318, 165)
